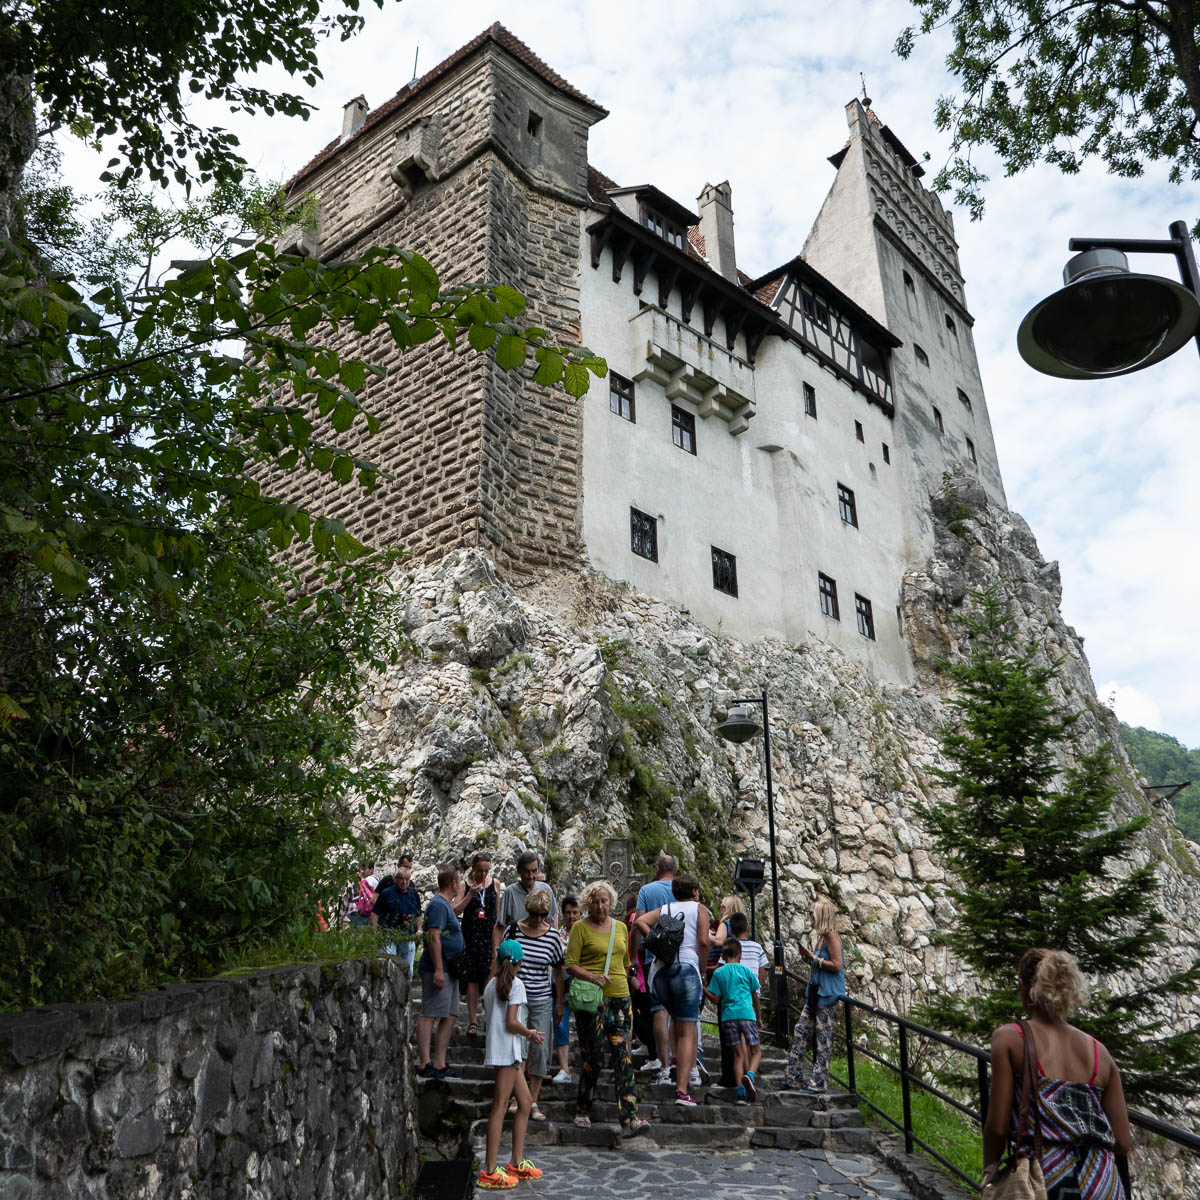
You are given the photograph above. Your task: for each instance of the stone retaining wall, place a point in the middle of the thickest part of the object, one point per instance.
(290, 1083)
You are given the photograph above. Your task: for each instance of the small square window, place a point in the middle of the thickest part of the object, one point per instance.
(908, 282)
(950, 326)
(810, 400)
(862, 613)
(937, 420)
(846, 506)
(643, 534)
(887, 454)
(971, 451)
(534, 124)
(683, 429)
(922, 357)
(858, 431)
(828, 590)
(724, 567)
(966, 400)
(620, 396)
(816, 310)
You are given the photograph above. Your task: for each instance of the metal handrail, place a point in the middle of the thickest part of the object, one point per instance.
(983, 1059)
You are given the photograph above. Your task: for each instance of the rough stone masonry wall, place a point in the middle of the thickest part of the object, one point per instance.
(580, 709)
(289, 1084)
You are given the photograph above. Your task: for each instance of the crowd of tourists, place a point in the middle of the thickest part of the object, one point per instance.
(528, 965)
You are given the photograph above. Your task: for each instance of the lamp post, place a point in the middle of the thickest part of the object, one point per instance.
(1109, 321)
(739, 727)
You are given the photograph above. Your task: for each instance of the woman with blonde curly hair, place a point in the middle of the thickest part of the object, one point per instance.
(1076, 1098)
(599, 941)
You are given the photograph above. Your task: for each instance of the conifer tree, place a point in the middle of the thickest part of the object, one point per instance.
(1035, 849)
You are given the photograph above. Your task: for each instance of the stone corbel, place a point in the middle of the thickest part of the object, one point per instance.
(295, 239)
(415, 154)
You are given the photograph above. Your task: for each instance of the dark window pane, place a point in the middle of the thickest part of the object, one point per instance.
(922, 357)
(864, 617)
(620, 396)
(887, 454)
(683, 429)
(724, 567)
(643, 534)
(858, 431)
(829, 601)
(966, 400)
(937, 420)
(846, 505)
(810, 400)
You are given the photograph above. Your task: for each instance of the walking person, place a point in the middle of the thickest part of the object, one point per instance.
(398, 908)
(542, 974)
(734, 989)
(826, 986)
(512, 900)
(505, 1015)
(651, 896)
(439, 982)
(598, 954)
(1074, 1107)
(562, 1026)
(477, 910)
(680, 985)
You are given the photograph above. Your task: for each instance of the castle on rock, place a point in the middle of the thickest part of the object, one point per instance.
(762, 450)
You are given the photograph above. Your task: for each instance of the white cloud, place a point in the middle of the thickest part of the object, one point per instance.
(1130, 705)
(1102, 471)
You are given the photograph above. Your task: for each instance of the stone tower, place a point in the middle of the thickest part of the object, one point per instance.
(885, 239)
(481, 166)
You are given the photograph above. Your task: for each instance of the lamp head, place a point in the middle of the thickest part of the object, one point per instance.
(1107, 321)
(739, 725)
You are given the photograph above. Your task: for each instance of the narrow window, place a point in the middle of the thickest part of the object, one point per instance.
(620, 396)
(922, 357)
(862, 613)
(683, 429)
(966, 400)
(724, 571)
(810, 400)
(846, 505)
(937, 420)
(908, 283)
(887, 454)
(828, 589)
(971, 451)
(643, 534)
(950, 325)
(858, 431)
(535, 124)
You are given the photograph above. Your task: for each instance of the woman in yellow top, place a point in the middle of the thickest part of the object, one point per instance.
(587, 949)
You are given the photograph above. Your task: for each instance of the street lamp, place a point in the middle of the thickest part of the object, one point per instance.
(739, 726)
(1109, 321)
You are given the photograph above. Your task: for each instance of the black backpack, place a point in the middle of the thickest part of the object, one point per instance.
(665, 940)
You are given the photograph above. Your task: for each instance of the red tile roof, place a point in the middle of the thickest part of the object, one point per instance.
(496, 34)
(599, 184)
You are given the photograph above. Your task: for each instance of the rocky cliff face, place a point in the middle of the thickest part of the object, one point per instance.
(577, 709)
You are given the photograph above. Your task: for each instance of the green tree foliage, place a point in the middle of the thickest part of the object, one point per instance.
(1164, 759)
(1061, 81)
(1036, 852)
(129, 70)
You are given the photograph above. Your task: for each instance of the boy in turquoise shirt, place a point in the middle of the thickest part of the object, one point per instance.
(733, 988)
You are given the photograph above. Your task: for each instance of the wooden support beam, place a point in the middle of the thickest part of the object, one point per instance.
(620, 252)
(667, 275)
(642, 264)
(755, 336)
(713, 307)
(733, 324)
(688, 287)
(599, 238)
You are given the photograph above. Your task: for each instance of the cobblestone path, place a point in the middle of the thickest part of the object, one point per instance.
(581, 1173)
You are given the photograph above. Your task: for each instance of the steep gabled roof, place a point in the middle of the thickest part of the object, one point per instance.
(495, 34)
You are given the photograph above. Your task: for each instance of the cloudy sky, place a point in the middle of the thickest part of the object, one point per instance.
(754, 93)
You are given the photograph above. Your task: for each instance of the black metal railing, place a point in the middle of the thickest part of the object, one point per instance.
(910, 1079)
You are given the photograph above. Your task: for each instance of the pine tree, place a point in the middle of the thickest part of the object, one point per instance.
(1034, 848)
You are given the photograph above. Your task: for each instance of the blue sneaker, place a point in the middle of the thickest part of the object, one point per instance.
(740, 1098)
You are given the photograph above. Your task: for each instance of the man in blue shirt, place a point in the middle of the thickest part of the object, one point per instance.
(439, 986)
(398, 907)
(655, 895)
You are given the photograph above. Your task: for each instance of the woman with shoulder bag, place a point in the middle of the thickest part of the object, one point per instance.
(1073, 1127)
(598, 963)
(825, 988)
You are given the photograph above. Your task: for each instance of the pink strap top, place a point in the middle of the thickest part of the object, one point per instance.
(1095, 1057)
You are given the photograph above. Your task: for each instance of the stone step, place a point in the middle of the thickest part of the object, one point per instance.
(609, 1134)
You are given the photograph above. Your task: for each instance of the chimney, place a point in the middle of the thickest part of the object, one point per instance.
(716, 227)
(353, 115)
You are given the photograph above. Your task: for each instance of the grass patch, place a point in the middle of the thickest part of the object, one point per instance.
(310, 946)
(951, 1134)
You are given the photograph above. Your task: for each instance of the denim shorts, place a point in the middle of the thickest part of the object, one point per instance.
(680, 991)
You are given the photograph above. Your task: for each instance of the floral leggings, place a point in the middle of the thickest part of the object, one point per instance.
(612, 1021)
(793, 1074)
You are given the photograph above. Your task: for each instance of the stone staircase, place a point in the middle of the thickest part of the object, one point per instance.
(454, 1111)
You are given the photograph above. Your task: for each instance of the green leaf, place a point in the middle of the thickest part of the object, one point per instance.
(511, 302)
(342, 469)
(421, 276)
(575, 379)
(550, 367)
(510, 352)
(353, 374)
(343, 415)
(481, 337)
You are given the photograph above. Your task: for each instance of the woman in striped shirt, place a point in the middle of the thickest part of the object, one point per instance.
(542, 975)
